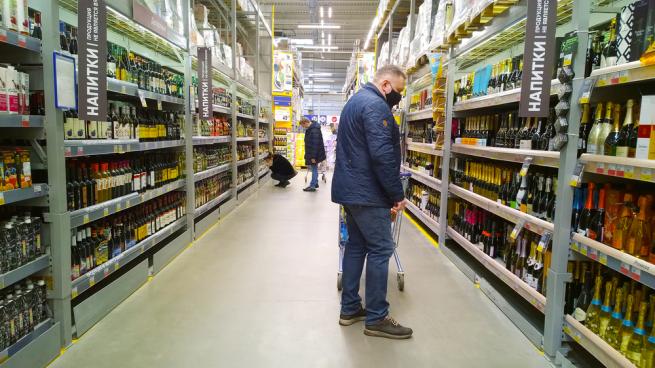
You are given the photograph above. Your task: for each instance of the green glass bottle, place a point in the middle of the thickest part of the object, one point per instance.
(593, 311)
(636, 344)
(605, 311)
(626, 329)
(612, 332)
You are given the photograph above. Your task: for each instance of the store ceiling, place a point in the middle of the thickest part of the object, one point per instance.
(355, 19)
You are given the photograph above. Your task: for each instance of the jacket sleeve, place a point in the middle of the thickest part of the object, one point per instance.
(381, 149)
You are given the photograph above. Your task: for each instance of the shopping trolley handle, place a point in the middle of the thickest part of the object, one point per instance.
(405, 175)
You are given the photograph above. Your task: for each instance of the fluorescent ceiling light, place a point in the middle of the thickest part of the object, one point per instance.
(322, 34)
(319, 26)
(301, 41)
(330, 12)
(329, 39)
(321, 12)
(374, 25)
(318, 47)
(323, 41)
(319, 74)
(324, 80)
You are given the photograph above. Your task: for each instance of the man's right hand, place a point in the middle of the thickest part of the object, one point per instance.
(399, 206)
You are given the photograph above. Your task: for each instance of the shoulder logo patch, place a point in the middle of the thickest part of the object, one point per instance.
(384, 122)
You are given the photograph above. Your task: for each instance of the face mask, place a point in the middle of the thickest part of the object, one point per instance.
(393, 98)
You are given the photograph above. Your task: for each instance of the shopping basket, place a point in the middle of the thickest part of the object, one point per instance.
(396, 222)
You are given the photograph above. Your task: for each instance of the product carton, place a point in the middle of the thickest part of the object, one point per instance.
(13, 86)
(4, 103)
(646, 132)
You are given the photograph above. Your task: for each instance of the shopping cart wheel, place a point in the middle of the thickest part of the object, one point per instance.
(339, 279)
(324, 179)
(401, 281)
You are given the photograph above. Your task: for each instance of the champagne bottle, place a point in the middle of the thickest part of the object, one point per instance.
(612, 141)
(592, 319)
(648, 352)
(612, 332)
(585, 127)
(606, 126)
(596, 225)
(636, 344)
(625, 332)
(605, 311)
(610, 51)
(592, 140)
(623, 143)
(622, 228)
(638, 241)
(587, 211)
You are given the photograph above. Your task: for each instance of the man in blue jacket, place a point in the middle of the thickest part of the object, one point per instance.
(367, 183)
(314, 150)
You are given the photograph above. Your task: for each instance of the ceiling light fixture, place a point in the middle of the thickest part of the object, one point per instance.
(318, 47)
(321, 12)
(374, 25)
(329, 39)
(300, 41)
(322, 34)
(330, 12)
(319, 74)
(323, 41)
(319, 26)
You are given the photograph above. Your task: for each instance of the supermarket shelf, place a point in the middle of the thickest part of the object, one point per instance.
(427, 148)
(248, 85)
(211, 204)
(79, 148)
(98, 211)
(263, 140)
(428, 221)
(531, 223)
(24, 271)
(18, 195)
(622, 167)
(622, 74)
(21, 41)
(38, 331)
(263, 172)
(245, 184)
(539, 158)
(637, 269)
(198, 141)
(88, 280)
(497, 99)
(600, 349)
(243, 162)
(420, 115)
(219, 109)
(531, 295)
(245, 116)
(262, 156)
(131, 89)
(426, 179)
(245, 139)
(263, 121)
(211, 172)
(21, 121)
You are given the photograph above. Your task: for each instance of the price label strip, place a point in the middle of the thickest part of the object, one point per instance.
(517, 229)
(526, 165)
(576, 178)
(646, 174)
(543, 242)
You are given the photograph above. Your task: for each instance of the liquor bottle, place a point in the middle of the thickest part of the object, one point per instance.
(636, 344)
(625, 333)
(63, 41)
(623, 224)
(587, 212)
(577, 208)
(521, 197)
(610, 51)
(606, 126)
(612, 141)
(605, 310)
(72, 46)
(37, 30)
(592, 319)
(597, 223)
(592, 140)
(623, 142)
(584, 293)
(612, 332)
(638, 240)
(525, 138)
(585, 128)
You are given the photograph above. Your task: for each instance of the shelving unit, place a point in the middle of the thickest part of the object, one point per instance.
(468, 49)
(77, 305)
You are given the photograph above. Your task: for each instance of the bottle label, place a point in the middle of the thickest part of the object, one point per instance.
(525, 144)
(622, 151)
(591, 149)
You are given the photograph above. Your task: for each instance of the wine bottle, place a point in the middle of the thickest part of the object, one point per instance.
(605, 310)
(577, 208)
(638, 240)
(597, 223)
(587, 211)
(625, 333)
(606, 126)
(585, 127)
(522, 195)
(592, 318)
(612, 332)
(623, 223)
(636, 344)
(623, 143)
(612, 141)
(592, 140)
(610, 51)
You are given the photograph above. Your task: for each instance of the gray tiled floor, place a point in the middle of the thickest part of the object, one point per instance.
(259, 290)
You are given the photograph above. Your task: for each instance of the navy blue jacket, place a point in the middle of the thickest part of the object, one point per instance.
(314, 147)
(367, 168)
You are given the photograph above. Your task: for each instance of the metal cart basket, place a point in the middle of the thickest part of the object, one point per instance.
(396, 222)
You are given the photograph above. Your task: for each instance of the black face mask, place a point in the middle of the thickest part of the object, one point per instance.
(393, 98)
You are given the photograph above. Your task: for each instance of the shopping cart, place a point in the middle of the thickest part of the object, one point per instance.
(396, 222)
(322, 171)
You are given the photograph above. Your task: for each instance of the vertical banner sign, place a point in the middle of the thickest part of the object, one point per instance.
(539, 58)
(92, 50)
(205, 98)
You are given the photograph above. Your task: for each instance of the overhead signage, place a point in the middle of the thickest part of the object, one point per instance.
(92, 50)
(205, 91)
(539, 58)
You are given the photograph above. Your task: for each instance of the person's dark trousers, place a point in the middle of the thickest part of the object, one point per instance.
(314, 182)
(281, 178)
(370, 240)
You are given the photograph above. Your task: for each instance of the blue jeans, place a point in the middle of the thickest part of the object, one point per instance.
(370, 240)
(314, 182)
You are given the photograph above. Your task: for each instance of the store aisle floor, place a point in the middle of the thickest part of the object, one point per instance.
(259, 290)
